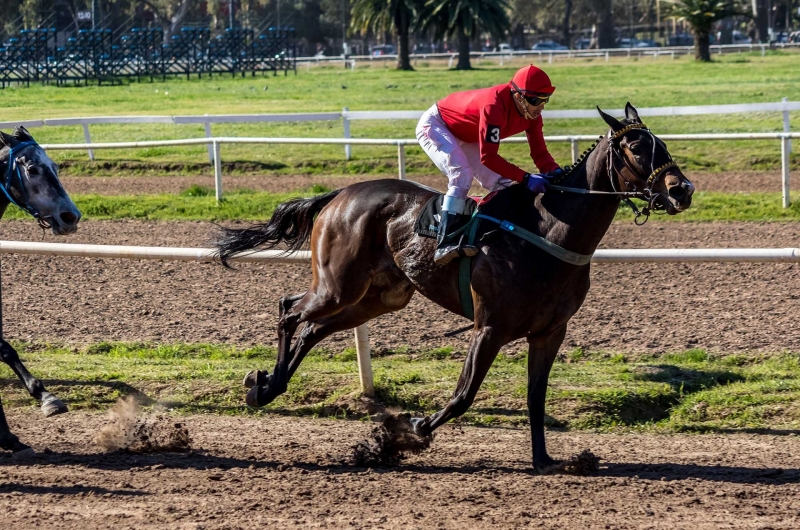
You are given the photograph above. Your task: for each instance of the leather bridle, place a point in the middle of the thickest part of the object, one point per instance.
(614, 156)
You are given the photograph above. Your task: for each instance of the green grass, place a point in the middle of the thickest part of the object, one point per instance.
(685, 391)
(740, 78)
(198, 203)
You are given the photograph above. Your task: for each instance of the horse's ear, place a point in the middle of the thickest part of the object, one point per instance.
(631, 114)
(22, 134)
(612, 122)
(7, 140)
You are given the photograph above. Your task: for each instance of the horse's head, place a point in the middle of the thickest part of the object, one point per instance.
(29, 179)
(640, 162)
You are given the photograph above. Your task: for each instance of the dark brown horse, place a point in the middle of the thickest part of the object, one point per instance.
(29, 179)
(367, 261)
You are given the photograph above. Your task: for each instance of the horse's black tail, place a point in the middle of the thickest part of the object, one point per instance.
(291, 223)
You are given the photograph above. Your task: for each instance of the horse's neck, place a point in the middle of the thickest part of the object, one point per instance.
(579, 222)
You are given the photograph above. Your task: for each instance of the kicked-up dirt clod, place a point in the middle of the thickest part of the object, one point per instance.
(135, 431)
(389, 442)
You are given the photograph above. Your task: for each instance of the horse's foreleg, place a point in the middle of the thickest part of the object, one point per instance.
(542, 352)
(482, 352)
(51, 405)
(8, 441)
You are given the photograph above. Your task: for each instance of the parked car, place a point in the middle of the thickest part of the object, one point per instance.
(627, 43)
(383, 49)
(548, 45)
(582, 44)
(422, 47)
(647, 43)
(504, 48)
(681, 39)
(741, 38)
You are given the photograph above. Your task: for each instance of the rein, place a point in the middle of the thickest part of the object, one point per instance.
(13, 172)
(646, 195)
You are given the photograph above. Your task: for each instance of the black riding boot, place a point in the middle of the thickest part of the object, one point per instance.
(446, 252)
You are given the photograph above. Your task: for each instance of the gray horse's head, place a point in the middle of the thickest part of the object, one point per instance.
(30, 180)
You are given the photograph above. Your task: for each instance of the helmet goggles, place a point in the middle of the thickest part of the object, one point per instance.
(535, 100)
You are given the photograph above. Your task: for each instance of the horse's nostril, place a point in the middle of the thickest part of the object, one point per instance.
(68, 218)
(677, 192)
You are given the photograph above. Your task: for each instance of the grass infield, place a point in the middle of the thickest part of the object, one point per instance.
(198, 203)
(582, 84)
(685, 391)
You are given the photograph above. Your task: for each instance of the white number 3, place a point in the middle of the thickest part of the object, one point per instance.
(494, 135)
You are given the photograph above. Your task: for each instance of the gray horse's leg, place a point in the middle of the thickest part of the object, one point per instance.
(542, 352)
(8, 441)
(51, 405)
(482, 351)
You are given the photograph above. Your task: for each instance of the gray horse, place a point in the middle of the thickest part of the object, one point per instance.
(29, 179)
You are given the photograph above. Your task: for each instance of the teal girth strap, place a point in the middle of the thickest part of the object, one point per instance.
(465, 266)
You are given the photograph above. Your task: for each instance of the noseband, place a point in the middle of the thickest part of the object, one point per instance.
(614, 155)
(646, 194)
(13, 176)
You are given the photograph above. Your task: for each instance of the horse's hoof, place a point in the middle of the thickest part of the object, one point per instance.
(255, 378)
(418, 427)
(252, 397)
(548, 466)
(53, 406)
(23, 454)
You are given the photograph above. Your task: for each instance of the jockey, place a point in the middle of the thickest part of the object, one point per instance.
(462, 132)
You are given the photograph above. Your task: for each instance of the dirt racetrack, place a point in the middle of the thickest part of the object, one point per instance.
(654, 308)
(278, 472)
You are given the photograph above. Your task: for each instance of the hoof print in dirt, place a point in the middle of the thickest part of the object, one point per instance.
(389, 442)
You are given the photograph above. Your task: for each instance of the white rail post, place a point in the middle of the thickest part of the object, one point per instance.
(217, 171)
(346, 122)
(785, 170)
(786, 125)
(207, 127)
(88, 138)
(401, 160)
(364, 361)
(574, 143)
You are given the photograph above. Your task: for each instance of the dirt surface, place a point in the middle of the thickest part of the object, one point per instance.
(724, 182)
(286, 473)
(725, 307)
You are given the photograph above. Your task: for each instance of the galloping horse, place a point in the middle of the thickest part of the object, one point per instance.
(29, 179)
(367, 261)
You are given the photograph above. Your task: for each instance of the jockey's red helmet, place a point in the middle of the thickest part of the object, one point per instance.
(531, 81)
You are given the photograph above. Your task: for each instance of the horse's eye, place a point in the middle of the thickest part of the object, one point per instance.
(33, 170)
(635, 147)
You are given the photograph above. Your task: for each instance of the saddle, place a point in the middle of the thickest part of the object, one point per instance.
(496, 204)
(498, 211)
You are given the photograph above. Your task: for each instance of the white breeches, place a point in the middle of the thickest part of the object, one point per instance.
(459, 161)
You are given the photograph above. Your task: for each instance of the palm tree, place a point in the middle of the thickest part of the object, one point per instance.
(387, 15)
(464, 19)
(701, 15)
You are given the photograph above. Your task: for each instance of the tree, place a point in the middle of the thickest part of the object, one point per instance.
(701, 15)
(464, 19)
(387, 15)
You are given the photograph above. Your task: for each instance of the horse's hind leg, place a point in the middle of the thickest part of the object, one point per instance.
(384, 296)
(8, 441)
(51, 405)
(261, 377)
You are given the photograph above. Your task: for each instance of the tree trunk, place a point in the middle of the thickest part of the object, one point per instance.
(463, 50)
(566, 32)
(402, 23)
(701, 46)
(606, 38)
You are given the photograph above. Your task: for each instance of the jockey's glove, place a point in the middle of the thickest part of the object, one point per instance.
(550, 175)
(536, 183)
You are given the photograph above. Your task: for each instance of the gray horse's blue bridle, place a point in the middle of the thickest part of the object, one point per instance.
(12, 172)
